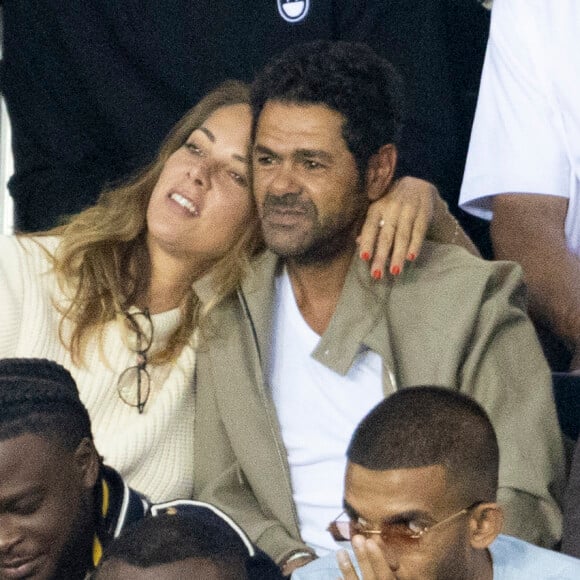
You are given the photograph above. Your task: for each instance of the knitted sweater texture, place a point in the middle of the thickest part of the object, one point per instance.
(153, 451)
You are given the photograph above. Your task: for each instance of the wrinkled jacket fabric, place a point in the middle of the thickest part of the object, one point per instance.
(450, 319)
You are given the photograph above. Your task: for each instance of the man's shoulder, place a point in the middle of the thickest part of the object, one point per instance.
(449, 268)
(514, 559)
(435, 256)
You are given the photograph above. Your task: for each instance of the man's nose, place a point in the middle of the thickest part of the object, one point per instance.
(389, 551)
(283, 180)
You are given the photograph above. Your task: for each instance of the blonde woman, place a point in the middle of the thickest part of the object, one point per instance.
(109, 295)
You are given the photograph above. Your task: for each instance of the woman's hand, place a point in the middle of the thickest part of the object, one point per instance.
(396, 225)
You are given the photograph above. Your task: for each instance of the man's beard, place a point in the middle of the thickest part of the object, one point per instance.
(325, 241)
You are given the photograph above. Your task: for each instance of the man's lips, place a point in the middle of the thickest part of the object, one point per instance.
(283, 216)
(19, 568)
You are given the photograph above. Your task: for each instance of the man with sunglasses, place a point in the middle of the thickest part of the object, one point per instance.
(420, 499)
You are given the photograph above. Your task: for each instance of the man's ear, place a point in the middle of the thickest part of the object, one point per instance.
(485, 524)
(380, 171)
(88, 462)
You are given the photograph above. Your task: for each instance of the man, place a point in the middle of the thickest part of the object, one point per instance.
(59, 506)
(420, 499)
(174, 547)
(311, 344)
(523, 166)
(90, 101)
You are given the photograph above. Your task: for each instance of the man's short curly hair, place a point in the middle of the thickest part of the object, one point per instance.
(39, 396)
(347, 77)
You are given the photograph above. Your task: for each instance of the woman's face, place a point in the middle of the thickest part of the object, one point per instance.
(201, 203)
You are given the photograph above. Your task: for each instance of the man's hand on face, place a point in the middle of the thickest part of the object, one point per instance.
(371, 559)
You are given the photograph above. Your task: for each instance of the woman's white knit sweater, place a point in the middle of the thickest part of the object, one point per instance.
(153, 451)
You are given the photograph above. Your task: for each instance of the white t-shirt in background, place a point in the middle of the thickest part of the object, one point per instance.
(526, 132)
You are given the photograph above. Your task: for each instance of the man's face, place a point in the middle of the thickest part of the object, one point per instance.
(401, 496)
(190, 568)
(43, 500)
(306, 182)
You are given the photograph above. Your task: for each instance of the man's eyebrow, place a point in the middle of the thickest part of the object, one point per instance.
(264, 150)
(208, 133)
(317, 153)
(404, 516)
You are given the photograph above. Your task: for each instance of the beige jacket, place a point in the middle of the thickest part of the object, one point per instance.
(450, 319)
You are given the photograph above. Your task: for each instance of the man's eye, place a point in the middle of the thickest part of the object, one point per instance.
(405, 528)
(26, 509)
(312, 164)
(265, 160)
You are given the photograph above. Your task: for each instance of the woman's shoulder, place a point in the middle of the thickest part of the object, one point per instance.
(24, 245)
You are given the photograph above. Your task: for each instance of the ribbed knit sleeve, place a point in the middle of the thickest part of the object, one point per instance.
(154, 450)
(11, 296)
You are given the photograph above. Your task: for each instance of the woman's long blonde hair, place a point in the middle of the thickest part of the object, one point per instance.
(102, 262)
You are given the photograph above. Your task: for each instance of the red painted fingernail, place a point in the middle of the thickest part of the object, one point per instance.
(395, 270)
(412, 257)
(365, 256)
(377, 274)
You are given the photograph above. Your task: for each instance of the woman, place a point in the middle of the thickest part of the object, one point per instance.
(109, 295)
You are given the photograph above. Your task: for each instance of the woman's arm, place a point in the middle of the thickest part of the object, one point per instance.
(397, 224)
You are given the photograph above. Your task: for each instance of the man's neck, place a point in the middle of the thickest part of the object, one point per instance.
(317, 289)
(483, 566)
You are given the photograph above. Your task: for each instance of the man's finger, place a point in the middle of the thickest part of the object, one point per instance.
(346, 566)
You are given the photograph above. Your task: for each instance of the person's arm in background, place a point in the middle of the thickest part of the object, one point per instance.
(518, 170)
(530, 229)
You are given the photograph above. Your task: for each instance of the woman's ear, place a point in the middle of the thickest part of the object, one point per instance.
(381, 171)
(485, 524)
(88, 462)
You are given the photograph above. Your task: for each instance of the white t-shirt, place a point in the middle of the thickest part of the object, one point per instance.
(526, 133)
(318, 411)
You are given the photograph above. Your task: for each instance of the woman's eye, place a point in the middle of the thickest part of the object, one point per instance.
(193, 148)
(239, 179)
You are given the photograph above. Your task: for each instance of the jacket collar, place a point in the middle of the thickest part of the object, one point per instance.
(360, 320)
(118, 505)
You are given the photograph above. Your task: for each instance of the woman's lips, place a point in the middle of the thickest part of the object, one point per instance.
(185, 203)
